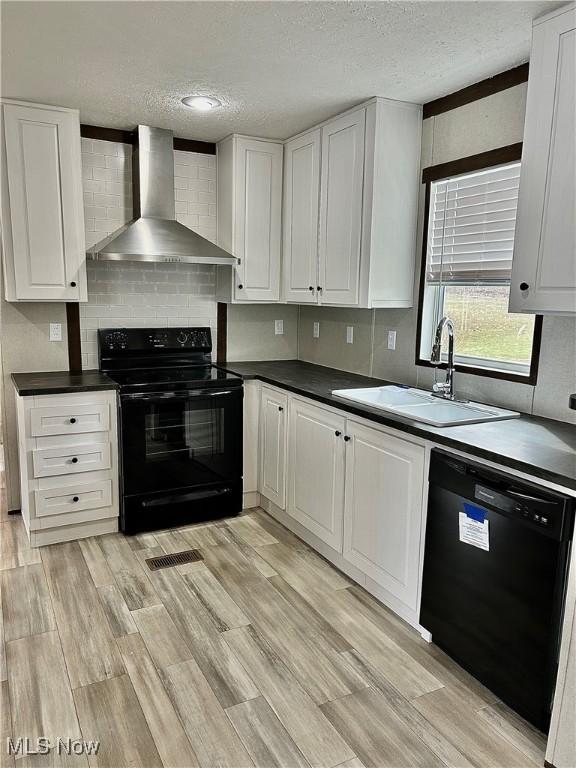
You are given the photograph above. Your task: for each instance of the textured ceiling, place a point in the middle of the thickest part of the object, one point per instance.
(278, 67)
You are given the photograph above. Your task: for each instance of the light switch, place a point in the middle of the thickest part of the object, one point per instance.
(349, 334)
(279, 327)
(391, 339)
(55, 331)
(316, 331)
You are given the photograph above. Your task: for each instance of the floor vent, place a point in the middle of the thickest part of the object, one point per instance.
(177, 558)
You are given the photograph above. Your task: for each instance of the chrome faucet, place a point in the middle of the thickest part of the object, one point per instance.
(444, 389)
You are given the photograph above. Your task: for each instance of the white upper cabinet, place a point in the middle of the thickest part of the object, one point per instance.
(544, 264)
(367, 183)
(249, 218)
(42, 204)
(300, 224)
(342, 175)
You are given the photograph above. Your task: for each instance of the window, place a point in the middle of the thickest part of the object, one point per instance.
(466, 274)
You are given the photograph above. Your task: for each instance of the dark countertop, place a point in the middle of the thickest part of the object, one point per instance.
(61, 382)
(540, 447)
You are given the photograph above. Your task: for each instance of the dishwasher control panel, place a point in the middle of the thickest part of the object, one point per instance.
(521, 504)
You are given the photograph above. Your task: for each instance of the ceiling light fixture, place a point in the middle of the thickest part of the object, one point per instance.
(201, 103)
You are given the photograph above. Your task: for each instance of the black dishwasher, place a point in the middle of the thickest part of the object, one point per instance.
(495, 566)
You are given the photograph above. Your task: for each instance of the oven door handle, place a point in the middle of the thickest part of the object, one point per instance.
(187, 395)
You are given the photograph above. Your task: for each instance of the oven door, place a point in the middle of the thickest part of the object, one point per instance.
(180, 446)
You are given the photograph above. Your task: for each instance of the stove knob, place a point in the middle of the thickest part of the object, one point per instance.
(182, 338)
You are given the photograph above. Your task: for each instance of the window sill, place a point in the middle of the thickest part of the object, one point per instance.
(491, 373)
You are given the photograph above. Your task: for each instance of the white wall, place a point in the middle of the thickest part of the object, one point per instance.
(485, 124)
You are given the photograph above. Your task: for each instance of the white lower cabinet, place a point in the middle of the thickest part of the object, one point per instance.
(272, 481)
(352, 491)
(250, 442)
(383, 509)
(68, 452)
(316, 470)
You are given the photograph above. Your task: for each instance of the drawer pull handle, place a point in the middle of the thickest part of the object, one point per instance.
(346, 438)
(72, 420)
(75, 498)
(73, 284)
(75, 460)
(524, 286)
(337, 433)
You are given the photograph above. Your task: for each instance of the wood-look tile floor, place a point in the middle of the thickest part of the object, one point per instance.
(261, 655)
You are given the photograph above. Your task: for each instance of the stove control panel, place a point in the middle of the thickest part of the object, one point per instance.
(124, 340)
(115, 340)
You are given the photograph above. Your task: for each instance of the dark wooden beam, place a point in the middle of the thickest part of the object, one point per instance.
(131, 137)
(73, 324)
(499, 156)
(191, 145)
(221, 332)
(500, 82)
(107, 134)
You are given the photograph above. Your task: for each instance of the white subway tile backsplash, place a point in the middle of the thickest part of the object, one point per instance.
(122, 294)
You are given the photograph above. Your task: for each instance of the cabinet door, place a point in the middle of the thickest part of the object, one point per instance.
(257, 234)
(251, 435)
(44, 240)
(545, 242)
(316, 471)
(300, 224)
(383, 509)
(273, 446)
(341, 208)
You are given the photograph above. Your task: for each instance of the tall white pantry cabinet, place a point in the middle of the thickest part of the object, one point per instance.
(42, 203)
(544, 263)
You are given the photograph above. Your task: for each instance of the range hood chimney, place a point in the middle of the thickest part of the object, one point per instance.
(154, 234)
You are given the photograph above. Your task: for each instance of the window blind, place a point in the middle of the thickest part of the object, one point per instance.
(471, 226)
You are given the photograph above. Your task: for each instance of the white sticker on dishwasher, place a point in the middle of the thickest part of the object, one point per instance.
(474, 532)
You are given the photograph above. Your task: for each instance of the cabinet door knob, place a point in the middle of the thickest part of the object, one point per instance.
(310, 287)
(280, 408)
(337, 433)
(72, 420)
(75, 460)
(346, 438)
(524, 286)
(75, 498)
(73, 284)
(240, 287)
(318, 287)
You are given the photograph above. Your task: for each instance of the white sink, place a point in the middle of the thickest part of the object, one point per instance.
(419, 405)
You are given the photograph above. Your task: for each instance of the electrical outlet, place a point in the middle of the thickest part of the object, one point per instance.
(279, 327)
(391, 339)
(316, 331)
(349, 334)
(55, 331)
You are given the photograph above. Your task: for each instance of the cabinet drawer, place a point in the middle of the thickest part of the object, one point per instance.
(69, 419)
(67, 460)
(73, 498)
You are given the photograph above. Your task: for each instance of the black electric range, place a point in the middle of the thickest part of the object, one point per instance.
(180, 427)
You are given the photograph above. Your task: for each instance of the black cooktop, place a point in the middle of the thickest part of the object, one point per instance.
(161, 359)
(192, 377)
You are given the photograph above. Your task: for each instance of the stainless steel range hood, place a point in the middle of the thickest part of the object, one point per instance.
(154, 234)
